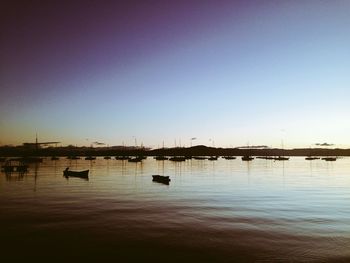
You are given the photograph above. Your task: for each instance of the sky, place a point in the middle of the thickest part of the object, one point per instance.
(228, 73)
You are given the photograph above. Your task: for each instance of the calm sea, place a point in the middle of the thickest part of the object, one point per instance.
(212, 211)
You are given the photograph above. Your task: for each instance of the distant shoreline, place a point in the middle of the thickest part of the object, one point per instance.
(201, 150)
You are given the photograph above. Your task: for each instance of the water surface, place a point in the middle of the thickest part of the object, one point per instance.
(212, 211)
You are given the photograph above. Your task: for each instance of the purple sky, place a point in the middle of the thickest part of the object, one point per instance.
(229, 71)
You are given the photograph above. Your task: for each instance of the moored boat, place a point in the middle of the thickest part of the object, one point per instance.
(122, 158)
(73, 157)
(161, 158)
(247, 158)
(330, 159)
(161, 179)
(14, 165)
(81, 174)
(281, 158)
(311, 158)
(178, 159)
(199, 158)
(135, 159)
(265, 157)
(229, 157)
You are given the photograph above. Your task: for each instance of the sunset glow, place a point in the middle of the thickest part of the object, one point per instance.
(235, 72)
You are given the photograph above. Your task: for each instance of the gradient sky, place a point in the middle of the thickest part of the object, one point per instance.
(228, 72)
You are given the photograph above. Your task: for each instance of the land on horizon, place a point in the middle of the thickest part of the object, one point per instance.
(199, 150)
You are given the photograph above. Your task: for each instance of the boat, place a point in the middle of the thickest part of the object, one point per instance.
(54, 158)
(14, 165)
(247, 158)
(213, 158)
(199, 158)
(122, 157)
(229, 157)
(330, 159)
(177, 159)
(265, 157)
(281, 158)
(90, 158)
(73, 157)
(107, 157)
(309, 158)
(135, 159)
(81, 174)
(161, 158)
(161, 179)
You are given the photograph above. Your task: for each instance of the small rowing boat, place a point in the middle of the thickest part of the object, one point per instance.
(81, 174)
(161, 179)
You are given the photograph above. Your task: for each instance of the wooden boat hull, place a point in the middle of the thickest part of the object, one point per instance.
(161, 179)
(80, 174)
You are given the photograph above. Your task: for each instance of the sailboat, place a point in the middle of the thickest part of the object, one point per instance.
(247, 157)
(310, 157)
(330, 159)
(161, 157)
(281, 158)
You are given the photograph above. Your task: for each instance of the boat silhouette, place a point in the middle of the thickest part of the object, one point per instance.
(309, 158)
(81, 174)
(136, 159)
(330, 159)
(178, 159)
(14, 165)
(161, 179)
(247, 158)
(281, 158)
(161, 158)
(229, 157)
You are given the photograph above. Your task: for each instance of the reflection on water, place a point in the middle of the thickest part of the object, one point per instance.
(212, 211)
